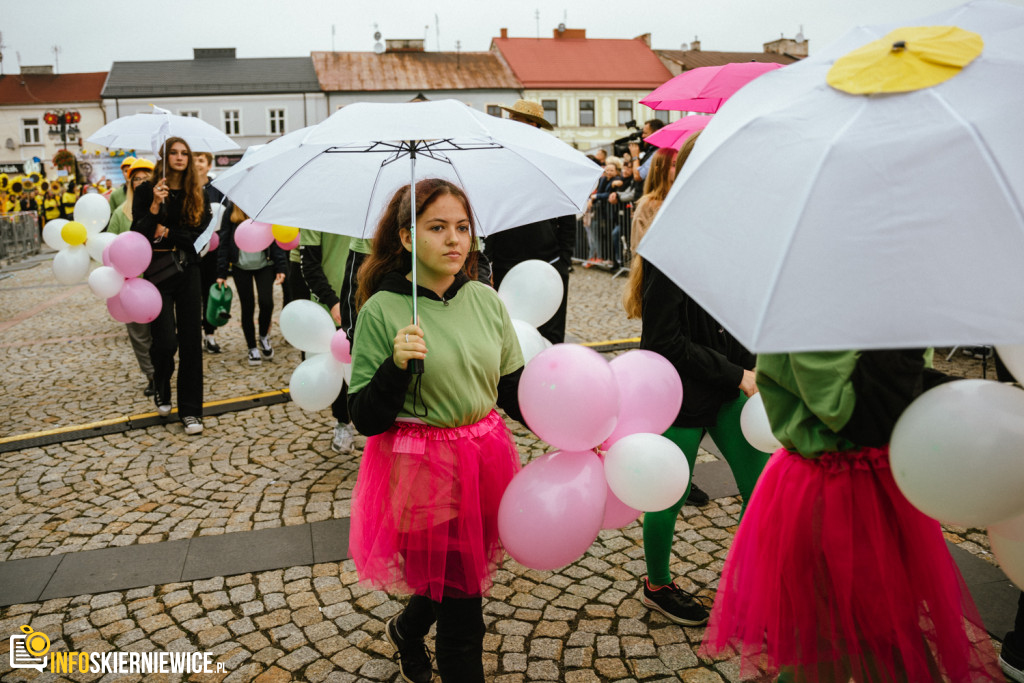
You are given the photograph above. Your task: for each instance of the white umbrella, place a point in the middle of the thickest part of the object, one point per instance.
(149, 131)
(808, 218)
(256, 154)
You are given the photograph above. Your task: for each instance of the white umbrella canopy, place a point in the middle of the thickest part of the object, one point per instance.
(149, 131)
(256, 154)
(808, 218)
(341, 175)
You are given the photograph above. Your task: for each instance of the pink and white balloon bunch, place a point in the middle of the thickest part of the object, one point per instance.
(316, 383)
(957, 454)
(130, 299)
(255, 236)
(532, 292)
(75, 241)
(575, 400)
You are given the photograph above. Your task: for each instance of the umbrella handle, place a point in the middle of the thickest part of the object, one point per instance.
(415, 366)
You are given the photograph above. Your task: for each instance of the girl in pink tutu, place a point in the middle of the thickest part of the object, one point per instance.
(438, 456)
(833, 574)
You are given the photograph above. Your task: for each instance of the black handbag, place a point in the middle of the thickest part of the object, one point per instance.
(165, 265)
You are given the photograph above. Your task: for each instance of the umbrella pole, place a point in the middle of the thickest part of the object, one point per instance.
(415, 364)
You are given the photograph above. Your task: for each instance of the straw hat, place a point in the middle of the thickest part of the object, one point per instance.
(530, 110)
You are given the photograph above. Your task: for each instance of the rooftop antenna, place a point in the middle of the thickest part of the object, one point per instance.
(437, 29)
(458, 55)
(56, 58)
(536, 16)
(800, 34)
(2, 46)
(333, 29)
(426, 34)
(378, 47)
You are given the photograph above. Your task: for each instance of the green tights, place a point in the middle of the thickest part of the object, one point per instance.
(745, 461)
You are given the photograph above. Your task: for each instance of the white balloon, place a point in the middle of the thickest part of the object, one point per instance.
(530, 340)
(347, 369)
(71, 264)
(1007, 541)
(957, 452)
(92, 211)
(105, 282)
(532, 292)
(316, 383)
(308, 326)
(96, 243)
(51, 234)
(646, 471)
(755, 427)
(1012, 356)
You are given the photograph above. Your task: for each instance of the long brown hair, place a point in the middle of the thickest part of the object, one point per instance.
(659, 178)
(191, 185)
(633, 293)
(389, 254)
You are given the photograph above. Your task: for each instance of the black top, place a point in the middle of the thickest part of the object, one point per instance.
(181, 235)
(710, 362)
(549, 240)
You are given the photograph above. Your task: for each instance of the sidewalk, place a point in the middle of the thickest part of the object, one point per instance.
(167, 533)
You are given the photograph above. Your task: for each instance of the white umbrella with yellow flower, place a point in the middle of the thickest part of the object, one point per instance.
(868, 197)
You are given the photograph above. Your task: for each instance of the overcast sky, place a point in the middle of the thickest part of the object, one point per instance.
(92, 35)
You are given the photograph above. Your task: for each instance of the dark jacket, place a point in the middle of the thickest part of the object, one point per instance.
(227, 251)
(710, 362)
(374, 407)
(549, 240)
(181, 234)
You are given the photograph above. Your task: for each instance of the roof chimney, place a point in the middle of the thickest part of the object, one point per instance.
(695, 45)
(405, 45)
(213, 53)
(504, 33)
(562, 32)
(45, 70)
(645, 37)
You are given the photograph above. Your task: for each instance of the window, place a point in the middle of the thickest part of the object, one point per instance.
(494, 110)
(30, 131)
(276, 121)
(193, 113)
(232, 122)
(586, 112)
(625, 111)
(550, 111)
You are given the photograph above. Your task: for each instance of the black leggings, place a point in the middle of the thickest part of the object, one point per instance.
(177, 329)
(264, 280)
(459, 644)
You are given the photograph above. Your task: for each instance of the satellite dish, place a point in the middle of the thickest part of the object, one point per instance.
(561, 28)
(684, 47)
(376, 35)
(378, 47)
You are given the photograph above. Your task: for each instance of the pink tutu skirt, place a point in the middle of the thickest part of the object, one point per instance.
(835, 573)
(425, 507)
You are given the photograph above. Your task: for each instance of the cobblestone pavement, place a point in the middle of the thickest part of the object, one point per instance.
(66, 363)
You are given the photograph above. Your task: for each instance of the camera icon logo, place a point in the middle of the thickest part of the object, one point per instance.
(30, 650)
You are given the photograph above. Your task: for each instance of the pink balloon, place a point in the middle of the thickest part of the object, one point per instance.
(214, 241)
(650, 393)
(340, 348)
(253, 236)
(569, 397)
(552, 509)
(616, 513)
(106, 256)
(130, 254)
(288, 246)
(141, 300)
(116, 309)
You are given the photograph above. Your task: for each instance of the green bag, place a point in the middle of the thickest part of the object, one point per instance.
(218, 305)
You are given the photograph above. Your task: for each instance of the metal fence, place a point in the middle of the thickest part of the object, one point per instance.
(19, 235)
(602, 236)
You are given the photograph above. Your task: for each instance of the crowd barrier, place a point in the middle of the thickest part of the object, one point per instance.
(602, 236)
(19, 235)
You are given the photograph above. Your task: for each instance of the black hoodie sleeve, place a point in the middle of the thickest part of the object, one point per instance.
(373, 408)
(311, 262)
(142, 220)
(508, 395)
(280, 258)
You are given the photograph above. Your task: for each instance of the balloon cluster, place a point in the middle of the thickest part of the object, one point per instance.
(575, 400)
(254, 236)
(957, 454)
(532, 292)
(75, 241)
(316, 383)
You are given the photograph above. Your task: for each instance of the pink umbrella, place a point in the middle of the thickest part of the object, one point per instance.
(676, 133)
(705, 89)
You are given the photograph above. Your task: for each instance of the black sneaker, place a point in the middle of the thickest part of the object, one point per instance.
(266, 350)
(697, 497)
(211, 345)
(150, 389)
(676, 604)
(1011, 659)
(413, 658)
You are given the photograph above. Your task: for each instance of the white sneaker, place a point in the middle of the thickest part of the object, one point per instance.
(343, 438)
(193, 425)
(163, 410)
(266, 349)
(254, 357)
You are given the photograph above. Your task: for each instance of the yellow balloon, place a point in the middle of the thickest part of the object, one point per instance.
(284, 233)
(73, 233)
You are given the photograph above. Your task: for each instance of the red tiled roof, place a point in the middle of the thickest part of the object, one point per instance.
(691, 59)
(51, 88)
(420, 71)
(583, 63)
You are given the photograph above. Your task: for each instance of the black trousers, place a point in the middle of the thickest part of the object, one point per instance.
(207, 277)
(263, 280)
(459, 645)
(177, 329)
(295, 286)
